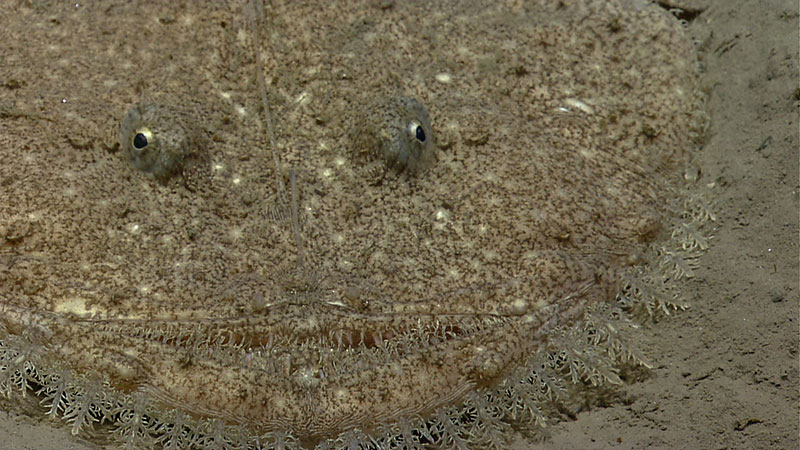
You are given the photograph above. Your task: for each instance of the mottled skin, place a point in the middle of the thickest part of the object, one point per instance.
(454, 282)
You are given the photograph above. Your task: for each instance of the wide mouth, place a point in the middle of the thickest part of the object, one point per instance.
(281, 331)
(241, 332)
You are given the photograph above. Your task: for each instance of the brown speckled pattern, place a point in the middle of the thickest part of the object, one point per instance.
(464, 302)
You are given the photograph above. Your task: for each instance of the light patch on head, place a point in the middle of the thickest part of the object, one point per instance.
(242, 36)
(305, 377)
(235, 233)
(578, 104)
(345, 265)
(518, 307)
(540, 303)
(75, 306)
(309, 323)
(441, 219)
(444, 77)
(340, 393)
(303, 99)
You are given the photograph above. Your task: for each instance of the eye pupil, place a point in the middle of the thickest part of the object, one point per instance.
(140, 141)
(420, 133)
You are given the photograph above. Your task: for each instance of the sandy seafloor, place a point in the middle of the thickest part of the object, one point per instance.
(726, 371)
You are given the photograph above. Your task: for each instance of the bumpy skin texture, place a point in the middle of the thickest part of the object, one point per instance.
(448, 300)
(158, 140)
(396, 131)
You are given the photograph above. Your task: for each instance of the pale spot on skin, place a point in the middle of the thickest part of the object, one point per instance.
(578, 104)
(303, 99)
(519, 307)
(76, 306)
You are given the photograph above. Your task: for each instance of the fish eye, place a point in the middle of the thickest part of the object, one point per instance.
(397, 131)
(417, 131)
(140, 140)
